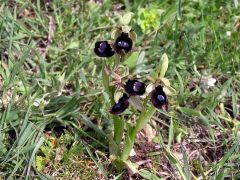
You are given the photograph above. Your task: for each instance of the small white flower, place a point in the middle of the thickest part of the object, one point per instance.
(208, 81)
(228, 33)
(211, 82)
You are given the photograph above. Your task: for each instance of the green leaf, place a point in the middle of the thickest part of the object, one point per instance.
(179, 12)
(37, 146)
(163, 65)
(148, 175)
(132, 60)
(87, 135)
(90, 124)
(100, 166)
(72, 45)
(133, 167)
(129, 142)
(181, 89)
(17, 166)
(221, 163)
(143, 119)
(161, 68)
(175, 161)
(114, 147)
(170, 134)
(69, 106)
(186, 167)
(198, 166)
(207, 123)
(221, 175)
(189, 112)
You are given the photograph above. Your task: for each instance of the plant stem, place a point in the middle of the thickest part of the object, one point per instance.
(118, 129)
(119, 58)
(144, 117)
(118, 122)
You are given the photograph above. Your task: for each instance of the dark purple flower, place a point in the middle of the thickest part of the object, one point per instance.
(121, 106)
(134, 87)
(103, 49)
(123, 42)
(159, 98)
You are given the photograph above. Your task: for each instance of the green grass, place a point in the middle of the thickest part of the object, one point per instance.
(50, 77)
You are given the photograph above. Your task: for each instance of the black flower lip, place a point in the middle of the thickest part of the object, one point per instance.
(134, 87)
(159, 98)
(121, 106)
(123, 42)
(103, 49)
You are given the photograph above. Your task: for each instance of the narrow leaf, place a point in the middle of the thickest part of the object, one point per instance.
(163, 65)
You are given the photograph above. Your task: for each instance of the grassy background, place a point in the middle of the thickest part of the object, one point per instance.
(53, 109)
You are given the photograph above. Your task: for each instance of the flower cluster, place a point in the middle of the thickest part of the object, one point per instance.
(108, 49)
(123, 44)
(133, 88)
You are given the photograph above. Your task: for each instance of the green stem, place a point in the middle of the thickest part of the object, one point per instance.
(118, 129)
(144, 117)
(118, 122)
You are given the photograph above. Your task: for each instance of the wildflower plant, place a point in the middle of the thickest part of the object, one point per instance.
(148, 19)
(126, 90)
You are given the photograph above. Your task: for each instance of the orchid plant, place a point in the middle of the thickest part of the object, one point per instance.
(126, 90)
